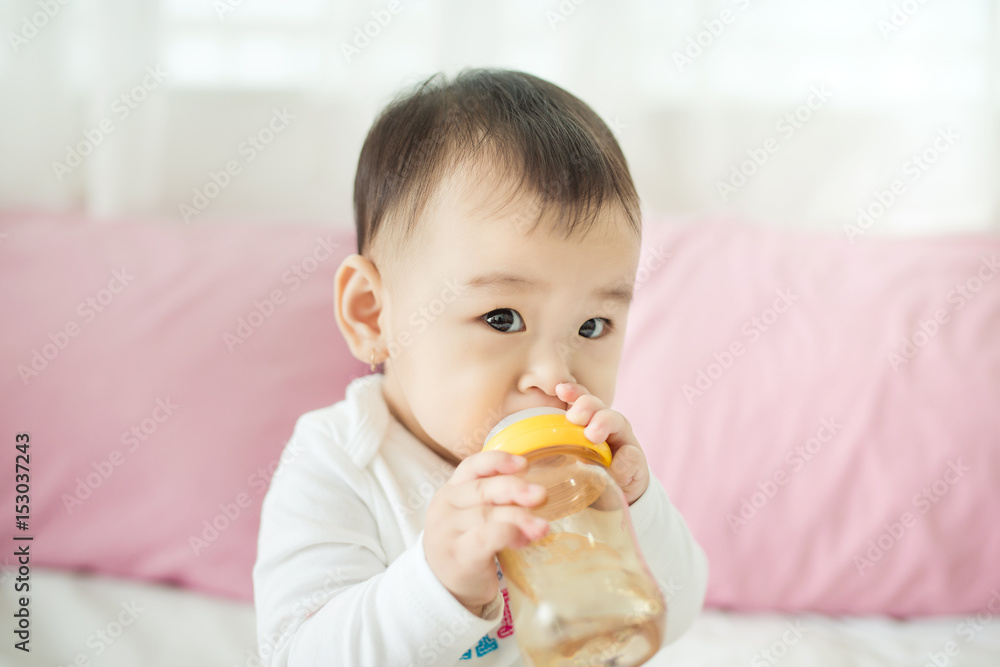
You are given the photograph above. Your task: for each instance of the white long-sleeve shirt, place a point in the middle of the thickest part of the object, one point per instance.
(341, 578)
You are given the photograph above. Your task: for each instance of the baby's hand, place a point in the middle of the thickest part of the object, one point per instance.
(475, 515)
(628, 463)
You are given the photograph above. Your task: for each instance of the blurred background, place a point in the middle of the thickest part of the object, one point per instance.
(873, 118)
(881, 115)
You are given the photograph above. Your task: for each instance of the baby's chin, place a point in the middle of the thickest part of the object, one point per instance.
(464, 449)
(463, 445)
(449, 447)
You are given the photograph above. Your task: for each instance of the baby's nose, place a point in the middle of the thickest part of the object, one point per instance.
(543, 372)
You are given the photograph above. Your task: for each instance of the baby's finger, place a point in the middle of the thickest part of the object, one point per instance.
(611, 426)
(489, 537)
(619, 430)
(486, 464)
(533, 527)
(630, 471)
(498, 490)
(570, 391)
(582, 412)
(626, 464)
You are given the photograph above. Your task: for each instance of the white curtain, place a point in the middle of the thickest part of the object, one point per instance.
(807, 114)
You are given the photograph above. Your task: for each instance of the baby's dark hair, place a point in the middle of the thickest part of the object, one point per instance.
(553, 144)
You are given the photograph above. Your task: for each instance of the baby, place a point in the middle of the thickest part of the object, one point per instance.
(498, 242)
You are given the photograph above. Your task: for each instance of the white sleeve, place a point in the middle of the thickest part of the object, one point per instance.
(676, 560)
(324, 594)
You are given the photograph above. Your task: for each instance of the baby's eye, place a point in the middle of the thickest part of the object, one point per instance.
(594, 324)
(506, 320)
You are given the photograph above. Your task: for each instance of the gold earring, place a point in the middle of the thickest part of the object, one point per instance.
(371, 362)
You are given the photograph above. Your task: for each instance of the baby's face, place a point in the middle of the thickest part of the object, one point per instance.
(482, 318)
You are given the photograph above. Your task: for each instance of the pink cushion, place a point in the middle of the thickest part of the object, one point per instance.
(153, 424)
(825, 415)
(161, 341)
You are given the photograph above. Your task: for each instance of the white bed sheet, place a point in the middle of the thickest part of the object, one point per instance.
(178, 628)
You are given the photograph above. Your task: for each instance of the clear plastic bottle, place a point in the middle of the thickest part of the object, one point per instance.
(581, 595)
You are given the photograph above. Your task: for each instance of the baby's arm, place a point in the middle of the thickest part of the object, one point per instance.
(325, 593)
(324, 590)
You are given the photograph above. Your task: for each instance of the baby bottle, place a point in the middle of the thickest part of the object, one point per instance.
(581, 595)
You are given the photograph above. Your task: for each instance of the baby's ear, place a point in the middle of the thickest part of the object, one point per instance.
(358, 302)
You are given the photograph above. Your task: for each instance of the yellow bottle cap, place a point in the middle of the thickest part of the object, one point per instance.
(532, 429)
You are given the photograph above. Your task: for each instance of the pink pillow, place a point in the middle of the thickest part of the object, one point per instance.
(180, 500)
(825, 415)
(159, 371)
